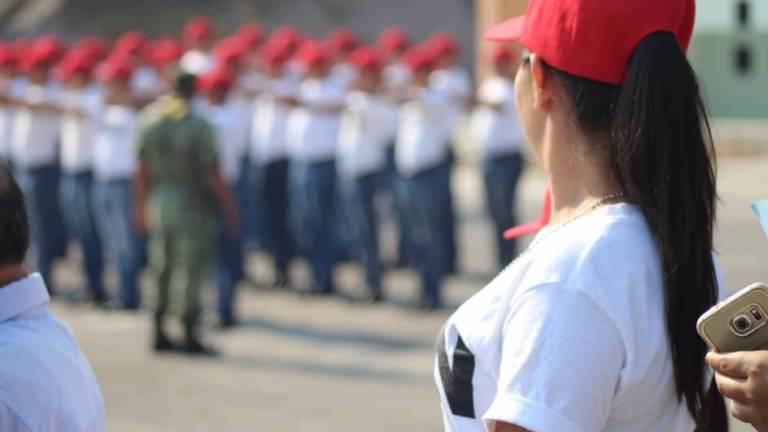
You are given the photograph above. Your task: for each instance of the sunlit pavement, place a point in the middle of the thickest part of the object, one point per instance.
(309, 364)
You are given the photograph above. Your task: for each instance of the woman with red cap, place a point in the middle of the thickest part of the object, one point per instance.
(114, 166)
(593, 327)
(268, 157)
(312, 134)
(495, 129)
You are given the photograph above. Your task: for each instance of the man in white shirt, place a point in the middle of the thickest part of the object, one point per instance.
(268, 160)
(34, 153)
(311, 137)
(360, 161)
(496, 131)
(82, 102)
(230, 135)
(45, 383)
(420, 155)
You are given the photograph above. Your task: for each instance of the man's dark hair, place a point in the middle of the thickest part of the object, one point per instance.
(14, 227)
(186, 85)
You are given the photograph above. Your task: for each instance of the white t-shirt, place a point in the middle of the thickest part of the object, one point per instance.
(344, 74)
(35, 136)
(114, 155)
(496, 131)
(362, 136)
(267, 143)
(78, 132)
(571, 337)
(456, 85)
(397, 78)
(230, 136)
(11, 87)
(420, 142)
(313, 127)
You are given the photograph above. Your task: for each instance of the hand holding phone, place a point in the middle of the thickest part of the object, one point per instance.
(738, 323)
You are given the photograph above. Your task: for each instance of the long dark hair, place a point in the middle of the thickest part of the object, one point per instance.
(662, 156)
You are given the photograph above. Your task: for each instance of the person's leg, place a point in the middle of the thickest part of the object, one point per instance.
(326, 246)
(404, 246)
(127, 242)
(225, 271)
(449, 215)
(77, 202)
(501, 175)
(161, 255)
(193, 259)
(38, 186)
(367, 231)
(276, 203)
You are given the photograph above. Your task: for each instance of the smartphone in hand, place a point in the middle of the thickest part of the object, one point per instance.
(738, 323)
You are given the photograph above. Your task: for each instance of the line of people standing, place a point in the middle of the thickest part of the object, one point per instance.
(308, 134)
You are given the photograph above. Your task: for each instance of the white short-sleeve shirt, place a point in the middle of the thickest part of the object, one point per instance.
(230, 134)
(496, 130)
(46, 384)
(313, 127)
(571, 337)
(117, 133)
(421, 143)
(267, 141)
(78, 131)
(35, 136)
(362, 136)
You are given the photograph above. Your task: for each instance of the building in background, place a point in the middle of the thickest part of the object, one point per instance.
(730, 55)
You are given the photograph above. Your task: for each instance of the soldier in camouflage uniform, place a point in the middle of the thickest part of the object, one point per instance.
(179, 189)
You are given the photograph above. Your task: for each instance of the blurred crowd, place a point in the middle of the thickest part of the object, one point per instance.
(313, 137)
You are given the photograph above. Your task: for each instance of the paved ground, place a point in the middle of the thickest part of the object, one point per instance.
(325, 365)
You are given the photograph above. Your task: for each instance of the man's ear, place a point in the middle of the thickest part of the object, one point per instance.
(542, 83)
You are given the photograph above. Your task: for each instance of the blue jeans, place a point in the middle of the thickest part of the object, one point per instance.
(449, 227)
(253, 226)
(228, 265)
(501, 174)
(114, 204)
(404, 248)
(39, 186)
(314, 206)
(273, 192)
(77, 202)
(426, 220)
(358, 198)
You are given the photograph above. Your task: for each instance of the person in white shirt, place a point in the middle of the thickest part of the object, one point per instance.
(340, 44)
(199, 36)
(230, 136)
(46, 384)
(268, 160)
(453, 81)
(593, 326)
(82, 101)
(146, 82)
(34, 153)
(420, 154)
(360, 162)
(311, 137)
(9, 59)
(114, 166)
(396, 76)
(495, 129)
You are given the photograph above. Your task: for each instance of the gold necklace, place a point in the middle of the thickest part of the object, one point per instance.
(594, 206)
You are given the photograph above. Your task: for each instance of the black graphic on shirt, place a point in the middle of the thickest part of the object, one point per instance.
(457, 381)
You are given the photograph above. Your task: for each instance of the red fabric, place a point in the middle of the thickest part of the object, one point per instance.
(366, 57)
(312, 53)
(198, 29)
(98, 47)
(115, 67)
(131, 43)
(229, 51)
(164, 52)
(595, 38)
(42, 52)
(394, 40)
(502, 55)
(251, 35)
(219, 79)
(341, 41)
(420, 58)
(535, 226)
(443, 44)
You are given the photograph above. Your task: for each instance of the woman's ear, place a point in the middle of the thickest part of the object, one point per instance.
(542, 83)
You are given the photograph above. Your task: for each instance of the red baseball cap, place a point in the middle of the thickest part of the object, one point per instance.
(443, 44)
(342, 41)
(8, 55)
(312, 53)
(229, 51)
(96, 46)
(116, 67)
(595, 38)
(164, 52)
(130, 43)
(251, 35)
(420, 58)
(502, 54)
(198, 29)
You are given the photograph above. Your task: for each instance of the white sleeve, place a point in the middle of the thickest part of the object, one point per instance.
(560, 366)
(10, 422)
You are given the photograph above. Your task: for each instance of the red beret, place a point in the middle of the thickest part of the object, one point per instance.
(228, 51)
(251, 35)
(366, 58)
(198, 29)
(130, 43)
(420, 58)
(394, 40)
(286, 37)
(501, 55)
(273, 55)
(443, 44)
(43, 52)
(312, 53)
(8, 55)
(96, 46)
(165, 51)
(342, 40)
(218, 79)
(115, 67)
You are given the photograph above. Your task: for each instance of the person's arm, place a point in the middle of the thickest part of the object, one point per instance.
(224, 198)
(742, 377)
(140, 187)
(9, 421)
